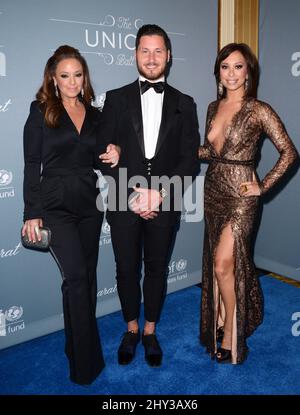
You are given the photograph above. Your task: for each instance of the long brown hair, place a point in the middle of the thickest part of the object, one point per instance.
(50, 103)
(252, 67)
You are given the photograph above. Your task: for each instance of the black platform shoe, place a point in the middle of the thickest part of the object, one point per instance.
(223, 355)
(211, 353)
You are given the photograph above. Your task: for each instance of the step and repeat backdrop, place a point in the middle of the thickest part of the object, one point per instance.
(277, 245)
(104, 32)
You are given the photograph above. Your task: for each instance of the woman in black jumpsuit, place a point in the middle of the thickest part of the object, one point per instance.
(61, 135)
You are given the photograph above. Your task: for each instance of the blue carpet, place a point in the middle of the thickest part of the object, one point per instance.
(273, 365)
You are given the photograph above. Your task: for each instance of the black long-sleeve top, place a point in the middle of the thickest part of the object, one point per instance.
(57, 150)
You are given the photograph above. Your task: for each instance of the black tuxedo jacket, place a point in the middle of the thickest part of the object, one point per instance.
(176, 149)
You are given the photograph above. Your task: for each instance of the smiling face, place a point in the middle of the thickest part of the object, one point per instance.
(152, 57)
(233, 72)
(69, 78)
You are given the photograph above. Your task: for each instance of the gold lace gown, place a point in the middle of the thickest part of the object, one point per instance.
(223, 205)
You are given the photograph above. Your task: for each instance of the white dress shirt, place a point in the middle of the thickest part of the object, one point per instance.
(152, 104)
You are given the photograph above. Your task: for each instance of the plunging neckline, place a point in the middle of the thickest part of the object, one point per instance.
(84, 118)
(227, 129)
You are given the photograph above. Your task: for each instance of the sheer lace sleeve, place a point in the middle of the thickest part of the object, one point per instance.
(274, 128)
(204, 152)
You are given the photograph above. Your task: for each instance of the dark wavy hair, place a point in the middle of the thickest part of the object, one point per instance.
(252, 67)
(150, 30)
(51, 104)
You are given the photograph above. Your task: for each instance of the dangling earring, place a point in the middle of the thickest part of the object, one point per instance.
(56, 91)
(246, 85)
(220, 89)
(82, 93)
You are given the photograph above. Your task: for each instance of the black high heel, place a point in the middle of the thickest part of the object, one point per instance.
(220, 334)
(211, 353)
(223, 355)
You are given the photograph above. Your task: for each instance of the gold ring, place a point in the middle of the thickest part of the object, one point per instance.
(245, 188)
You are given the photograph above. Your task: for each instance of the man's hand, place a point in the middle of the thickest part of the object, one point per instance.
(148, 215)
(146, 203)
(112, 155)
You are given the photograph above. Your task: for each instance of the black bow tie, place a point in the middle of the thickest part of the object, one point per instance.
(158, 86)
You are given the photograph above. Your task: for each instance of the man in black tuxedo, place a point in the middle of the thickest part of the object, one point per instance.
(156, 127)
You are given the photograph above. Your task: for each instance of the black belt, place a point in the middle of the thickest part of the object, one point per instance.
(235, 162)
(64, 171)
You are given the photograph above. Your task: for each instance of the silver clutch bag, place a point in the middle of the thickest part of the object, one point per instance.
(42, 244)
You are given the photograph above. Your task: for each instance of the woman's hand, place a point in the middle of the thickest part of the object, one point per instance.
(112, 155)
(250, 188)
(31, 227)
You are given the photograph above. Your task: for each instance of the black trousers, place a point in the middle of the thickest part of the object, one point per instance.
(129, 244)
(75, 246)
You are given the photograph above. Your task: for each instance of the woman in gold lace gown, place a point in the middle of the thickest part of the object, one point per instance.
(231, 306)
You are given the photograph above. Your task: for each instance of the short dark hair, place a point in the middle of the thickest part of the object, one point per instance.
(252, 66)
(149, 30)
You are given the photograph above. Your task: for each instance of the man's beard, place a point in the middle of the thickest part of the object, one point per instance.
(149, 75)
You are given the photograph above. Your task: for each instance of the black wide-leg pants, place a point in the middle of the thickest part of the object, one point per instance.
(75, 246)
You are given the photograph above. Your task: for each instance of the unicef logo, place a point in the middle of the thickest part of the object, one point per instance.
(14, 313)
(181, 265)
(106, 228)
(5, 177)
